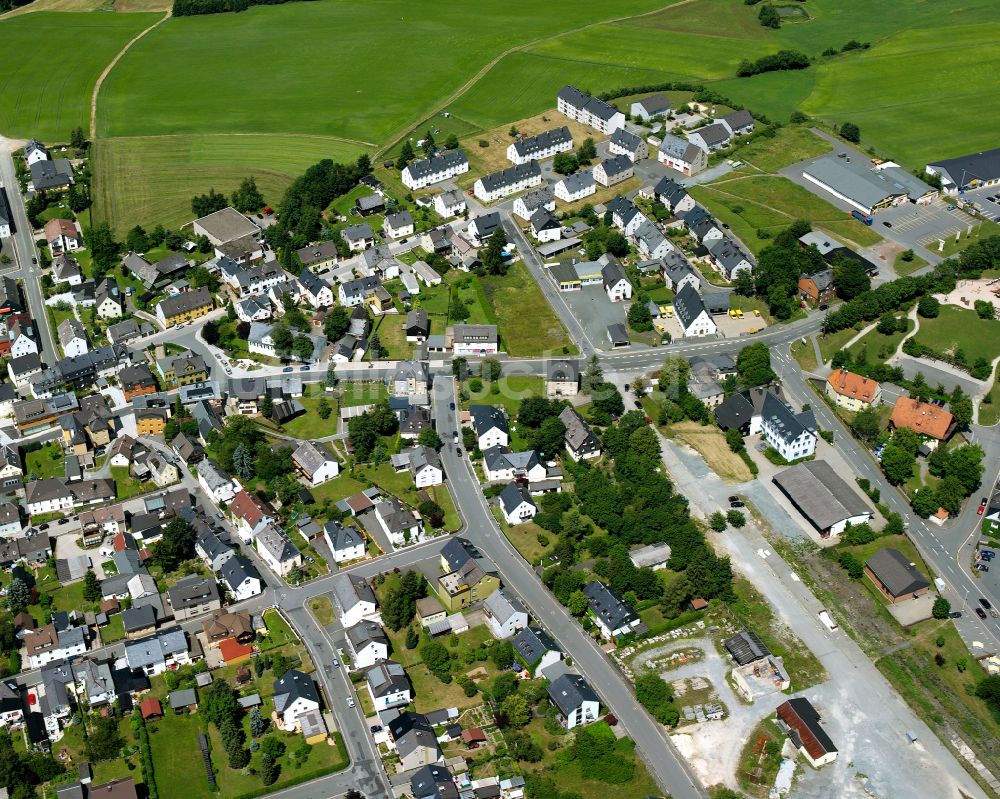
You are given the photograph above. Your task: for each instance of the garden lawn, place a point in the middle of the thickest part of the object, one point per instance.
(511, 389)
(114, 630)
(52, 61)
(832, 342)
(125, 485)
(337, 489)
(361, 393)
(391, 330)
(177, 757)
(310, 424)
(903, 268)
(959, 329)
(45, 462)
(527, 324)
(804, 355)
(879, 348)
(149, 180)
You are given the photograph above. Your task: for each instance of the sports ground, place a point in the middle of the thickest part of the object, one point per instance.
(199, 102)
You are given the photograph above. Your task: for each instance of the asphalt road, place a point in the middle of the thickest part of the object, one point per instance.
(664, 762)
(24, 247)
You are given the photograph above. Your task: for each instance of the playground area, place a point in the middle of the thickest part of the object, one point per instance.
(967, 292)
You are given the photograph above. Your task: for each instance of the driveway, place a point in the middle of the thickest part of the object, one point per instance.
(594, 311)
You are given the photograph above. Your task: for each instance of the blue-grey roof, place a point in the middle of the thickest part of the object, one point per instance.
(532, 146)
(579, 181)
(533, 642)
(510, 176)
(570, 691)
(291, 686)
(514, 494)
(438, 163)
(688, 305)
(608, 606)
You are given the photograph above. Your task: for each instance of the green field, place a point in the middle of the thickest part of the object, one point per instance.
(527, 323)
(151, 179)
(51, 63)
(959, 329)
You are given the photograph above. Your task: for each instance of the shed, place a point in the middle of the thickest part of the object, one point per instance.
(151, 709)
(186, 699)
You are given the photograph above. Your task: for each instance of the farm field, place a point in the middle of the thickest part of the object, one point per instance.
(147, 180)
(52, 61)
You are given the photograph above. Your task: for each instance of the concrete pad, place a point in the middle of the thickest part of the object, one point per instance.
(913, 610)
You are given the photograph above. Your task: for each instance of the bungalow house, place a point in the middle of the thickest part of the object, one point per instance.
(353, 599)
(295, 694)
(504, 614)
(576, 186)
(368, 644)
(575, 700)
(400, 524)
(241, 578)
(346, 543)
(450, 203)
(851, 391)
(692, 315)
(482, 227)
(490, 426)
(512, 180)
(801, 722)
(562, 378)
(429, 171)
(656, 105)
(614, 617)
(399, 225)
(516, 503)
(538, 148)
(388, 685)
(580, 440)
(536, 650)
(614, 170)
(526, 205)
(686, 157)
(895, 576)
(628, 144)
(277, 550)
(315, 462)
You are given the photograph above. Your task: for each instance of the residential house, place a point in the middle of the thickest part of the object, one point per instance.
(792, 435)
(139, 622)
(651, 242)
(187, 449)
(398, 225)
(502, 465)
(109, 302)
(184, 307)
(388, 685)
(728, 258)
(353, 599)
(183, 370)
(490, 426)
(673, 196)
(315, 462)
(536, 650)
(616, 284)
(851, 391)
(163, 471)
(417, 326)
(22, 336)
(400, 524)
(504, 614)
(212, 549)
(656, 105)
(692, 315)
(423, 464)
(433, 782)
(574, 699)
(678, 273)
(253, 309)
(628, 144)
(277, 550)
(193, 596)
(544, 226)
(370, 204)
(295, 694)
(46, 645)
(801, 722)
(358, 237)
(590, 111)
(481, 228)
(614, 170)
(540, 147)
(562, 378)
(576, 186)
(315, 290)
(818, 288)
(354, 292)
(512, 180)
(35, 151)
(686, 157)
(625, 215)
(450, 203)
(157, 653)
(241, 579)
(475, 340)
(368, 644)
(612, 614)
(136, 381)
(426, 172)
(895, 576)
(739, 122)
(580, 440)
(51, 176)
(526, 205)
(414, 740)
(711, 137)
(63, 236)
(220, 487)
(66, 269)
(318, 256)
(744, 411)
(516, 503)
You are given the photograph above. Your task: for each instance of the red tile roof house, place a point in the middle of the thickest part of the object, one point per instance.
(800, 720)
(249, 510)
(62, 236)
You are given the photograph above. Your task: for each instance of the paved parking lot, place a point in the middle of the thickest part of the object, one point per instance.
(983, 198)
(925, 225)
(592, 308)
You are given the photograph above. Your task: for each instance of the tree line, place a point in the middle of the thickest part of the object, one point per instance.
(775, 62)
(190, 8)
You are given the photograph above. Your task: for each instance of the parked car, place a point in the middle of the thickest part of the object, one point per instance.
(987, 554)
(288, 369)
(981, 613)
(451, 406)
(984, 500)
(458, 451)
(955, 614)
(737, 504)
(335, 663)
(980, 510)
(887, 224)
(982, 567)
(734, 498)
(375, 728)
(350, 702)
(985, 603)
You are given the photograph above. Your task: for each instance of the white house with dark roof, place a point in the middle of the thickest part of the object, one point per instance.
(358, 237)
(677, 272)
(475, 340)
(711, 137)
(315, 290)
(628, 144)
(740, 122)
(388, 685)
(368, 644)
(295, 695)
(429, 171)
(516, 504)
(400, 524)
(653, 106)
(504, 614)
(692, 315)
(625, 215)
(353, 599)
(155, 654)
(612, 614)
(544, 226)
(576, 186)
(686, 157)
(398, 225)
(575, 700)
(506, 182)
(490, 426)
(423, 464)
(450, 203)
(315, 462)
(319, 255)
(538, 148)
(615, 282)
(792, 434)
(346, 543)
(673, 196)
(35, 151)
(728, 258)
(651, 242)
(536, 650)
(483, 226)
(590, 111)
(214, 481)
(581, 443)
(526, 205)
(241, 578)
(500, 464)
(614, 170)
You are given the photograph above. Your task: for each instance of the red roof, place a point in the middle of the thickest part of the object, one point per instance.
(150, 708)
(231, 650)
(698, 603)
(473, 735)
(922, 417)
(250, 508)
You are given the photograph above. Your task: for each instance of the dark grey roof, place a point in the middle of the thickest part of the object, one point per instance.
(51, 174)
(740, 119)
(438, 163)
(594, 105)
(183, 698)
(579, 181)
(716, 133)
(983, 166)
(895, 572)
(655, 104)
(727, 253)
(487, 223)
(608, 606)
(629, 141)
(618, 334)
(294, 685)
(746, 647)
(369, 202)
(562, 371)
(366, 632)
(341, 537)
(543, 219)
(787, 424)
(510, 176)
(689, 305)
(681, 149)
(823, 279)
(401, 219)
(236, 570)
(578, 432)
(531, 146)
(487, 417)
(612, 272)
(513, 495)
(387, 677)
(139, 618)
(570, 691)
(820, 494)
(617, 164)
(533, 642)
